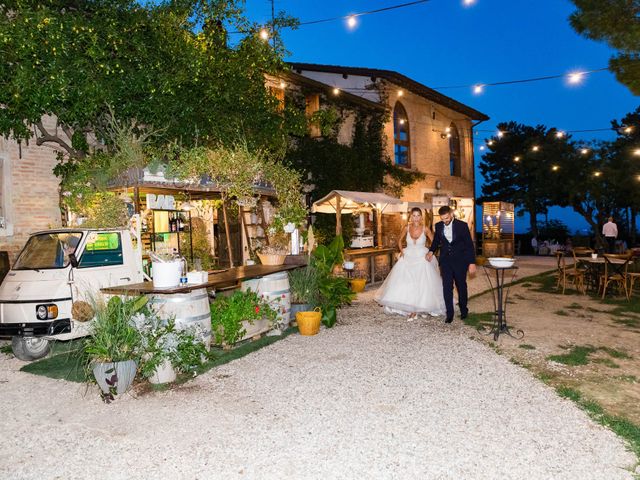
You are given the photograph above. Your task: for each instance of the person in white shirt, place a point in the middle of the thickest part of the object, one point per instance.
(610, 232)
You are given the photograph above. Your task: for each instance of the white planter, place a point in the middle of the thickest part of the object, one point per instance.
(163, 374)
(118, 375)
(166, 275)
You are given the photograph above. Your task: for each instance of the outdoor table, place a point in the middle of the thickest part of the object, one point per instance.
(594, 268)
(221, 278)
(500, 300)
(370, 254)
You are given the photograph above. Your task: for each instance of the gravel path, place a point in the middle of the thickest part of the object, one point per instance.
(375, 397)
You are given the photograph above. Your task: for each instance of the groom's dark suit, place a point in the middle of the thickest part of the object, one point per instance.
(455, 258)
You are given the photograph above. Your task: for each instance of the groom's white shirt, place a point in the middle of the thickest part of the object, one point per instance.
(448, 232)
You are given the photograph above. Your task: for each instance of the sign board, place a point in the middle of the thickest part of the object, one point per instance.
(161, 202)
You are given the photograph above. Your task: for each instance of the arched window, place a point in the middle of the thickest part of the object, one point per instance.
(401, 136)
(455, 161)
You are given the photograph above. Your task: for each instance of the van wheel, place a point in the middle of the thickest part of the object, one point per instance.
(30, 348)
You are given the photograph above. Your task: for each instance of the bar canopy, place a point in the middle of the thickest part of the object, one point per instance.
(347, 201)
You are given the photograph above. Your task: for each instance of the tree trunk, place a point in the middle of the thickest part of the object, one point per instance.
(533, 222)
(633, 228)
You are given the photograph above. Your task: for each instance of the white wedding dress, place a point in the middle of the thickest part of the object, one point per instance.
(414, 284)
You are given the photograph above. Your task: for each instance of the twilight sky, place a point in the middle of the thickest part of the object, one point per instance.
(443, 43)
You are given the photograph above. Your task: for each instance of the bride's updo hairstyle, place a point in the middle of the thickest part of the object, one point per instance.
(415, 209)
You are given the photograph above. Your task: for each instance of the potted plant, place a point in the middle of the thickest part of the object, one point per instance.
(112, 350)
(168, 350)
(334, 291)
(303, 286)
(231, 315)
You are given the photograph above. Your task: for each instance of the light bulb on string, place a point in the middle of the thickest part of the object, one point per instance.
(478, 89)
(597, 174)
(264, 34)
(516, 159)
(336, 91)
(482, 148)
(468, 3)
(500, 134)
(584, 151)
(636, 152)
(352, 22)
(555, 168)
(283, 85)
(535, 148)
(400, 93)
(575, 78)
(559, 134)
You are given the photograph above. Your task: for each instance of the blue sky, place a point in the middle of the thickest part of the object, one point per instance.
(443, 43)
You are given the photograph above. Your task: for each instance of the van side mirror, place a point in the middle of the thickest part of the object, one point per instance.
(73, 260)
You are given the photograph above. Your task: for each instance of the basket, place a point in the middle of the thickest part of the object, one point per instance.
(271, 259)
(357, 284)
(309, 322)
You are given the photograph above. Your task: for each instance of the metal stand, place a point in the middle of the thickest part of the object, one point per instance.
(500, 302)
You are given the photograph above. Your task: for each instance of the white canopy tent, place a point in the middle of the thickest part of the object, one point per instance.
(345, 201)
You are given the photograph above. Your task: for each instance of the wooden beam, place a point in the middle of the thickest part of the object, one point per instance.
(227, 233)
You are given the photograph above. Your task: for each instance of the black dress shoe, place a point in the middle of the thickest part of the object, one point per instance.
(464, 315)
(449, 320)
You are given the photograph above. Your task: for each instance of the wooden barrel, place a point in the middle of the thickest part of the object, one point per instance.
(188, 309)
(275, 288)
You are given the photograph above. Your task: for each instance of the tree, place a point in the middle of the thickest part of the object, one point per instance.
(617, 23)
(163, 64)
(518, 165)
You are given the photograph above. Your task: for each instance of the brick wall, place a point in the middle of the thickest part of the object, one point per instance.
(429, 151)
(29, 191)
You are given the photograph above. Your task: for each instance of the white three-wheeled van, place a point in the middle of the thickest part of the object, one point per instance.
(55, 270)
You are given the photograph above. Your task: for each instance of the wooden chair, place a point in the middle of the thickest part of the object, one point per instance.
(616, 268)
(633, 273)
(587, 271)
(569, 273)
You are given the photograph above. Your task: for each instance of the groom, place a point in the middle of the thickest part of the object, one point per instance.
(457, 256)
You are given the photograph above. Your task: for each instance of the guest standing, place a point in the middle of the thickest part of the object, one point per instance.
(610, 232)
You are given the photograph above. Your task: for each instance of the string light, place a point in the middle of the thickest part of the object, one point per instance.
(482, 148)
(560, 134)
(516, 159)
(468, 3)
(637, 152)
(352, 22)
(264, 34)
(336, 91)
(359, 14)
(597, 174)
(282, 85)
(400, 93)
(555, 168)
(402, 121)
(535, 148)
(584, 151)
(490, 142)
(576, 78)
(478, 88)
(500, 134)
(628, 130)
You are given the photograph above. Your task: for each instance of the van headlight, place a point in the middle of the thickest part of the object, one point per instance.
(46, 312)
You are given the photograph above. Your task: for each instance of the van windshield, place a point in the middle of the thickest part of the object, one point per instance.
(48, 250)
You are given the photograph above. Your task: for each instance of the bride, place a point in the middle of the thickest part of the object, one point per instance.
(414, 285)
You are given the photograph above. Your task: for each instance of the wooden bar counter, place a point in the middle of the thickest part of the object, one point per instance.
(370, 254)
(216, 279)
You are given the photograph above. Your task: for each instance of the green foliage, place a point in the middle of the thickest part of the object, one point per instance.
(303, 285)
(237, 169)
(614, 22)
(553, 230)
(527, 181)
(334, 291)
(228, 313)
(327, 120)
(160, 341)
(103, 210)
(114, 337)
(361, 166)
(324, 227)
(162, 63)
(578, 355)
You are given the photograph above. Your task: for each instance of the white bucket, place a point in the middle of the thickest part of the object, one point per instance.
(275, 288)
(187, 309)
(166, 274)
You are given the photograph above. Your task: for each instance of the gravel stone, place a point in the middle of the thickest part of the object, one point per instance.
(374, 397)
